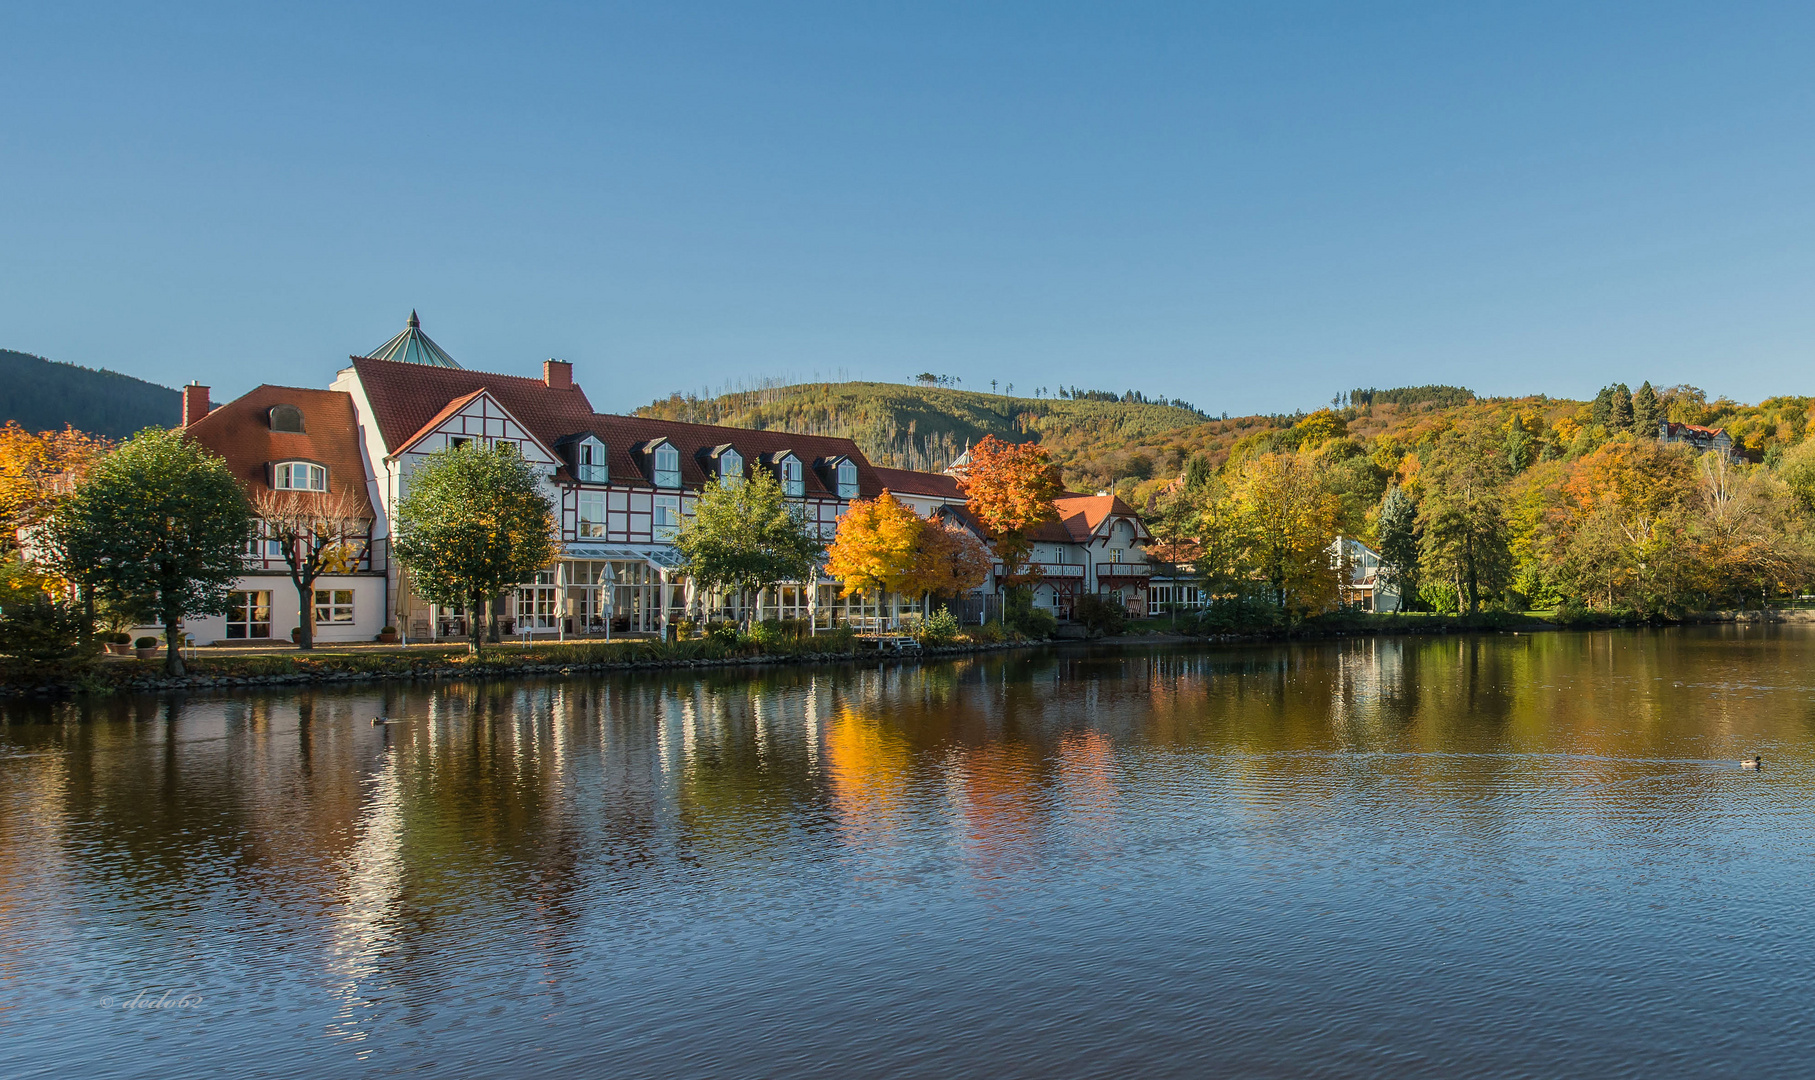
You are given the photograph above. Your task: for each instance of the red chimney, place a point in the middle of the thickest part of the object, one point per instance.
(195, 403)
(558, 374)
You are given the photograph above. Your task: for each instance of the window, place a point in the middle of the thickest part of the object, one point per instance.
(592, 515)
(249, 614)
(793, 478)
(730, 468)
(333, 606)
(847, 480)
(458, 440)
(667, 518)
(299, 476)
(286, 418)
(667, 466)
(589, 463)
(537, 602)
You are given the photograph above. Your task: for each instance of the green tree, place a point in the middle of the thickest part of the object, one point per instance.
(473, 523)
(745, 537)
(1647, 411)
(1272, 533)
(1621, 417)
(158, 526)
(1463, 516)
(1397, 528)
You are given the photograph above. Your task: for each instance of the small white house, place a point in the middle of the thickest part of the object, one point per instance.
(1366, 588)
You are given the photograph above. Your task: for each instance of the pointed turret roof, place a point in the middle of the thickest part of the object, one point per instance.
(414, 347)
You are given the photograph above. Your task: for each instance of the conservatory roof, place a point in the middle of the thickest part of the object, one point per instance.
(414, 347)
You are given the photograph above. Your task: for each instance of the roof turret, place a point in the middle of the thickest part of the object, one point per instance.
(414, 347)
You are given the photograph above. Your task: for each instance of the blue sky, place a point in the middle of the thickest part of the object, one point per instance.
(1252, 207)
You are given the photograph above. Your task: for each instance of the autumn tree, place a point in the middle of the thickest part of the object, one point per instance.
(1010, 488)
(158, 526)
(474, 522)
(948, 561)
(876, 546)
(319, 533)
(746, 537)
(1272, 530)
(36, 470)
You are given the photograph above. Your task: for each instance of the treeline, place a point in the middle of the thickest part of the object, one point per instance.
(45, 395)
(1507, 505)
(1412, 395)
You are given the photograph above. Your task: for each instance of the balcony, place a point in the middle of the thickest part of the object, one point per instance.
(1052, 569)
(1126, 571)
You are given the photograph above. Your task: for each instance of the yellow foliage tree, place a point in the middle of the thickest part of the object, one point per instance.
(876, 548)
(37, 469)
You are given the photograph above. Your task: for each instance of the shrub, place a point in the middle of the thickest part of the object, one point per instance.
(939, 628)
(1101, 615)
(1034, 622)
(40, 630)
(685, 629)
(120, 637)
(989, 633)
(145, 643)
(1238, 615)
(771, 633)
(724, 632)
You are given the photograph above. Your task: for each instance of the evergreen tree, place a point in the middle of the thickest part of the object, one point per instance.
(1397, 527)
(1621, 418)
(1647, 410)
(1602, 411)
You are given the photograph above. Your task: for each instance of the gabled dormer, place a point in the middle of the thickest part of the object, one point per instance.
(789, 472)
(585, 457)
(661, 462)
(839, 474)
(724, 463)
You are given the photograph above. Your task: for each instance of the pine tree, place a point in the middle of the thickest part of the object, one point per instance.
(1647, 410)
(1621, 419)
(1603, 406)
(1398, 531)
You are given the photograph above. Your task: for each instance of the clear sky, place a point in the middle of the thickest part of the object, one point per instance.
(1252, 207)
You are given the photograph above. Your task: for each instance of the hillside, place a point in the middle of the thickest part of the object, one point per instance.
(44, 395)
(925, 427)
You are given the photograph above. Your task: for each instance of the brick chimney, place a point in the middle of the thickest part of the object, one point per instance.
(558, 374)
(195, 403)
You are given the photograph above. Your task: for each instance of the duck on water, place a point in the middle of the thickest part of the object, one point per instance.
(1752, 764)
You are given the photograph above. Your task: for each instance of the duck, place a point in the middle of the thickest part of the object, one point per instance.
(1752, 763)
(378, 720)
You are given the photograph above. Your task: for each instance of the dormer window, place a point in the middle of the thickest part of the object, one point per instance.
(286, 418)
(847, 479)
(730, 468)
(589, 462)
(667, 466)
(793, 477)
(299, 476)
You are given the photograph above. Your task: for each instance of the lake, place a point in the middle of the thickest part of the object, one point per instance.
(1500, 855)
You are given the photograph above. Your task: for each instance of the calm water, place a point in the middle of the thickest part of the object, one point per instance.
(1516, 856)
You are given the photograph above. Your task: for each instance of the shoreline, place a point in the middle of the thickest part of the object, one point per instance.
(304, 669)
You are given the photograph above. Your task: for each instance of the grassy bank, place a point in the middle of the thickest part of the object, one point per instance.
(117, 675)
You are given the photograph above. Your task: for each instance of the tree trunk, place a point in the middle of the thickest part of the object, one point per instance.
(173, 646)
(475, 627)
(306, 620)
(87, 636)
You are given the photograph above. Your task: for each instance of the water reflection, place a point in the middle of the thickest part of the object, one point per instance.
(731, 875)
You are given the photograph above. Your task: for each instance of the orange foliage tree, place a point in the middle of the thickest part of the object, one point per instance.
(36, 470)
(876, 546)
(948, 561)
(1011, 488)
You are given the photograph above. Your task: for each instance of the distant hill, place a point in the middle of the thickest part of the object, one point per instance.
(45, 395)
(925, 427)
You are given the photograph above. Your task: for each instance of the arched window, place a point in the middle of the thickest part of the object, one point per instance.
(667, 466)
(299, 476)
(847, 480)
(730, 468)
(286, 418)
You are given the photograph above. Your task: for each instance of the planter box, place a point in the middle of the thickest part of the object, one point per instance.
(387, 639)
(148, 654)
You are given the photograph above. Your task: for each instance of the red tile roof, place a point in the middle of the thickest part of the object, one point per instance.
(405, 397)
(1080, 516)
(909, 482)
(240, 432)
(623, 434)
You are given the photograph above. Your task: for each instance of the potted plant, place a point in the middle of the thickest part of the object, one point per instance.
(119, 643)
(296, 635)
(146, 648)
(387, 636)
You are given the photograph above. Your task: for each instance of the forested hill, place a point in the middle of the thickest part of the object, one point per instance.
(925, 427)
(44, 395)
